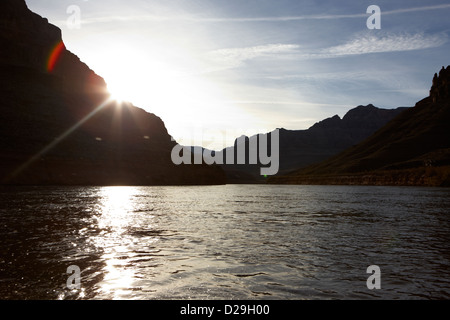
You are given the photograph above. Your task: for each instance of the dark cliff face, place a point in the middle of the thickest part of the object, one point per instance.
(356, 125)
(362, 120)
(413, 146)
(299, 148)
(440, 90)
(58, 126)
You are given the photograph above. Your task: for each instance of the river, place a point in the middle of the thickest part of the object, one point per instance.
(224, 242)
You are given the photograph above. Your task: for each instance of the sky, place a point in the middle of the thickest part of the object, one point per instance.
(214, 70)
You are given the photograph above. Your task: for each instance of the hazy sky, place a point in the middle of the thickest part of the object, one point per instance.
(216, 69)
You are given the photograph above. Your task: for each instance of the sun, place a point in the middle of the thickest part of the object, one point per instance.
(116, 94)
(173, 85)
(149, 82)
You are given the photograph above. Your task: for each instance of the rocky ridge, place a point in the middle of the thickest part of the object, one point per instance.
(59, 126)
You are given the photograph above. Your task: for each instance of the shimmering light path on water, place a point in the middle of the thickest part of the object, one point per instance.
(224, 242)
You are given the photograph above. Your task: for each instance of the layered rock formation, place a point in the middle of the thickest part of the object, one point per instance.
(412, 149)
(299, 148)
(440, 90)
(59, 126)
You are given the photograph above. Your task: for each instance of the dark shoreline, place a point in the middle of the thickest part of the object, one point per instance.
(420, 177)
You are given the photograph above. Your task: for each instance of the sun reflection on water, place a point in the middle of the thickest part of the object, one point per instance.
(117, 202)
(115, 219)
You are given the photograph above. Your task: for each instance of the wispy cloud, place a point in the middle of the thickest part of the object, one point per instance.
(235, 57)
(282, 102)
(359, 45)
(387, 43)
(323, 16)
(418, 9)
(197, 19)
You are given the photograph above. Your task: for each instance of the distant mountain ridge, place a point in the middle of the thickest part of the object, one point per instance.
(412, 149)
(299, 148)
(58, 126)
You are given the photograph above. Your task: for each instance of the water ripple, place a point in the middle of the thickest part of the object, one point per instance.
(224, 242)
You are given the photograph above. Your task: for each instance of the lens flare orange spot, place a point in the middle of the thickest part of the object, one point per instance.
(54, 56)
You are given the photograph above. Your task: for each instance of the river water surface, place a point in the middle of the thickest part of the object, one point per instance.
(224, 242)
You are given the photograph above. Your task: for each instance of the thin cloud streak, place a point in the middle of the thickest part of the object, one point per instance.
(230, 58)
(389, 43)
(242, 54)
(418, 9)
(155, 18)
(281, 102)
(325, 17)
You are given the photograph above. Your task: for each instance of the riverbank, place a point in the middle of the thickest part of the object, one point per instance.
(425, 176)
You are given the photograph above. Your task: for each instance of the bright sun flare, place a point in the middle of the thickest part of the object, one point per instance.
(194, 108)
(130, 81)
(151, 83)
